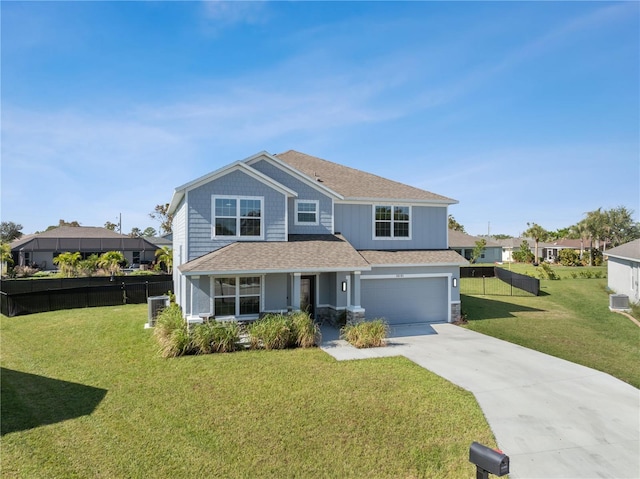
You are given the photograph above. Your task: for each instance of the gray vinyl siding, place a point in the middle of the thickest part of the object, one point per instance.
(305, 192)
(276, 292)
(428, 227)
(235, 183)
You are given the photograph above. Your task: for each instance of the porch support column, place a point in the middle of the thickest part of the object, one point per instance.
(355, 287)
(193, 296)
(295, 292)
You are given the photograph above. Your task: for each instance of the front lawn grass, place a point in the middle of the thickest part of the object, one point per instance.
(570, 320)
(86, 394)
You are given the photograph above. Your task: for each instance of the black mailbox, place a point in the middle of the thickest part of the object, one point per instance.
(489, 460)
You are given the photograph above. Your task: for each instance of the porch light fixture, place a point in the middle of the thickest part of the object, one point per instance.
(344, 286)
(455, 282)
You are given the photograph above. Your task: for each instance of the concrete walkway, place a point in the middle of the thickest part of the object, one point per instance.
(553, 418)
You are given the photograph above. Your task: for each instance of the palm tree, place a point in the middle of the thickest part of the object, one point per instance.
(67, 263)
(110, 261)
(165, 255)
(537, 233)
(580, 229)
(5, 255)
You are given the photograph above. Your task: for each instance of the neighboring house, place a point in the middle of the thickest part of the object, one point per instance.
(282, 232)
(510, 245)
(623, 270)
(552, 250)
(464, 244)
(39, 249)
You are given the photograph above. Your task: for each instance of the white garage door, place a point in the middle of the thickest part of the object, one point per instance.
(405, 300)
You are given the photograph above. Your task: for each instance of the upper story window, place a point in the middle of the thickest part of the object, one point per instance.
(392, 222)
(237, 216)
(307, 212)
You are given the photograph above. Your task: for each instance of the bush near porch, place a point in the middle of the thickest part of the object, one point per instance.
(255, 413)
(273, 331)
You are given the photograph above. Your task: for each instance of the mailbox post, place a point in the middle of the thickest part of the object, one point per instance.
(488, 461)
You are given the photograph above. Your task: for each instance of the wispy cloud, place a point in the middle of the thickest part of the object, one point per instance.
(228, 13)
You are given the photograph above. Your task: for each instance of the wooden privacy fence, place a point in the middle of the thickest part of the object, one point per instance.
(15, 301)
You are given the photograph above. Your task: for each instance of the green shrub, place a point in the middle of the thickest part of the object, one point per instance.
(216, 337)
(545, 271)
(574, 275)
(587, 274)
(569, 257)
(305, 331)
(366, 334)
(274, 331)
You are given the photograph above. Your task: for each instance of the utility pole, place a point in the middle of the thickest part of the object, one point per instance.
(120, 224)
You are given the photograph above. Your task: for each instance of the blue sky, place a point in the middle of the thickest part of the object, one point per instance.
(522, 111)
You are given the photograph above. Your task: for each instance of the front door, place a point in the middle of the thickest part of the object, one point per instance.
(308, 294)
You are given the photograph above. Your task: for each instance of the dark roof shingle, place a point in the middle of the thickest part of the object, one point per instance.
(355, 184)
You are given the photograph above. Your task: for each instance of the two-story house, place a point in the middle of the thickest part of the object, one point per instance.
(272, 233)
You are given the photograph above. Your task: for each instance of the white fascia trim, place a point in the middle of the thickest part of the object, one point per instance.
(409, 265)
(406, 276)
(626, 258)
(246, 272)
(292, 171)
(404, 201)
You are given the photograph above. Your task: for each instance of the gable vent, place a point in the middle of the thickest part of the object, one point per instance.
(619, 301)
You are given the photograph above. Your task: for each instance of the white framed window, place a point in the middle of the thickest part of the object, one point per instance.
(237, 217)
(391, 222)
(307, 212)
(236, 296)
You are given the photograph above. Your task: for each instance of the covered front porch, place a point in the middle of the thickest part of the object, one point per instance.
(326, 296)
(244, 280)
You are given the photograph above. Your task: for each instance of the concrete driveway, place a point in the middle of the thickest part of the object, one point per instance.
(553, 418)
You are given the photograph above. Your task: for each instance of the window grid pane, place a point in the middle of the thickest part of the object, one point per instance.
(225, 226)
(306, 217)
(226, 207)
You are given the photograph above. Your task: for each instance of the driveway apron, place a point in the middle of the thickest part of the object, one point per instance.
(553, 418)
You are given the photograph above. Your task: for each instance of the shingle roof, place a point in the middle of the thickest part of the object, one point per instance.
(412, 257)
(629, 250)
(301, 253)
(81, 238)
(458, 239)
(355, 184)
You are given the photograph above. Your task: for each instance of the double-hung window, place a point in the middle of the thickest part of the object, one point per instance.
(307, 212)
(236, 296)
(392, 222)
(237, 217)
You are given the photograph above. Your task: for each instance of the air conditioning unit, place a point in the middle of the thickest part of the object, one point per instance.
(155, 304)
(619, 302)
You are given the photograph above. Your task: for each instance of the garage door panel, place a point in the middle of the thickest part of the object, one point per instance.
(404, 300)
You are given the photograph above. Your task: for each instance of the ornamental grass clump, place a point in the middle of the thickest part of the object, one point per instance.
(305, 331)
(172, 333)
(274, 331)
(216, 337)
(366, 334)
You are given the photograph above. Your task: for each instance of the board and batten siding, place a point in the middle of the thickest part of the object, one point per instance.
(305, 192)
(235, 183)
(428, 227)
